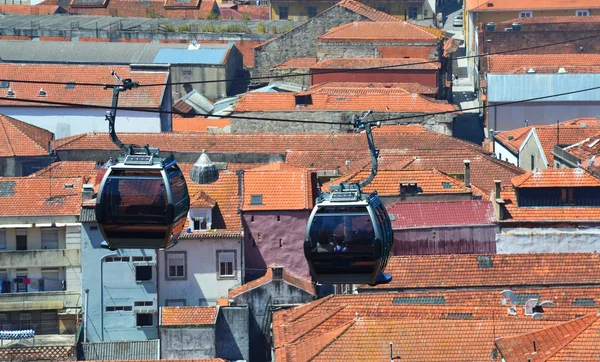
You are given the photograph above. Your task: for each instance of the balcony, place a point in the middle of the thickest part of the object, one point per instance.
(47, 258)
(39, 301)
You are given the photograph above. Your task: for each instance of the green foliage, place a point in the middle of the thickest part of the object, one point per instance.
(245, 17)
(168, 28)
(151, 13)
(183, 28)
(210, 28)
(261, 28)
(235, 28)
(213, 16)
(273, 30)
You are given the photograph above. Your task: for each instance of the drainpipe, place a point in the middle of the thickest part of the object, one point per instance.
(85, 326)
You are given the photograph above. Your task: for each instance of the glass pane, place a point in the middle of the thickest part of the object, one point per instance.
(134, 196)
(342, 230)
(179, 191)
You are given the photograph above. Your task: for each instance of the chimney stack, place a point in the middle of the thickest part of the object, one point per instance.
(277, 272)
(467, 173)
(87, 192)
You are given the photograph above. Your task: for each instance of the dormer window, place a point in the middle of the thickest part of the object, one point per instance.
(200, 219)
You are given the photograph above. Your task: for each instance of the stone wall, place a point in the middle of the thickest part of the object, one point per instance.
(300, 42)
(548, 240)
(441, 123)
(233, 336)
(192, 342)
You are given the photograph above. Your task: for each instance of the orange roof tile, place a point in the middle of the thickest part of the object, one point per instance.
(31, 9)
(366, 11)
(388, 182)
(170, 360)
(39, 196)
(504, 5)
(556, 177)
(440, 271)
(146, 97)
(395, 31)
(553, 19)
(161, 8)
(288, 277)
(188, 316)
(386, 63)
(20, 139)
(246, 47)
(202, 200)
(198, 123)
(583, 348)
(376, 88)
(297, 63)
(281, 187)
(85, 169)
(548, 341)
(259, 102)
(544, 63)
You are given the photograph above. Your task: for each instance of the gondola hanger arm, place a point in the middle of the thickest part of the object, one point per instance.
(126, 84)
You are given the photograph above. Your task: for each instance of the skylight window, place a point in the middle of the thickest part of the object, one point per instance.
(70, 85)
(4, 84)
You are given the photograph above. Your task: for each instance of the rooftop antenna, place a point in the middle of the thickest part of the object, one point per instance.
(526, 122)
(557, 132)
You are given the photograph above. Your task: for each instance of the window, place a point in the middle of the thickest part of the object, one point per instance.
(532, 162)
(141, 258)
(175, 302)
(525, 14)
(312, 11)
(2, 239)
(70, 85)
(3, 276)
(119, 308)
(50, 274)
(176, 265)
(143, 273)
(256, 200)
(49, 238)
(4, 84)
(21, 239)
(582, 12)
(500, 156)
(413, 12)
(381, 8)
(21, 276)
(145, 303)
(144, 320)
(116, 259)
(283, 12)
(226, 263)
(186, 72)
(49, 324)
(278, 217)
(25, 319)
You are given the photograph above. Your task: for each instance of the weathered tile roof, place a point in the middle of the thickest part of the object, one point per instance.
(246, 47)
(188, 316)
(197, 123)
(440, 271)
(288, 278)
(85, 169)
(548, 342)
(31, 9)
(128, 9)
(259, 102)
(400, 137)
(504, 5)
(280, 186)
(297, 63)
(370, 88)
(385, 63)
(18, 138)
(441, 213)
(145, 97)
(556, 177)
(387, 182)
(544, 63)
(366, 11)
(395, 31)
(584, 348)
(39, 196)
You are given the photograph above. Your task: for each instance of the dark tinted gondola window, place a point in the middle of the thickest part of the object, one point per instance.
(342, 230)
(179, 191)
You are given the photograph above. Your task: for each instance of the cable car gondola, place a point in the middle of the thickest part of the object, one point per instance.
(349, 233)
(143, 198)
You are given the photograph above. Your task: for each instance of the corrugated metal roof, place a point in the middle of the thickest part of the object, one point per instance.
(87, 214)
(129, 350)
(516, 87)
(198, 56)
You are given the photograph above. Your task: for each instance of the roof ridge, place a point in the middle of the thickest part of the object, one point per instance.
(20, 125)
(336, 336)
(317, 303)
(12, 150)
(318, 322)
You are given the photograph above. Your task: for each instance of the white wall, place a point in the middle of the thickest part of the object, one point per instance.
(502, 153)
(201, 281)
(547, 240)
(65, 122)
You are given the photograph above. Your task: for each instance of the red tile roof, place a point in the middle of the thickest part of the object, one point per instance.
(18, 139)
(493, 5)
(288, 278)
(259, 102)
(380, 32)
(40, 196)
(385, 63)
(281, 187)
(341, 88)
(366, 11)
(441, 271)
(388, 182)
(145, 97)
(160, 8)
(583, 348)
(297, 63)
(548, 341)
(170, 360)
(202, 200)
(441, 213)
(556, 177)
(198, 123)
(553, 19)
(246, 47)
(31, 9)
(400, 137)
(85, 169)
(188, 316)
(544, 63)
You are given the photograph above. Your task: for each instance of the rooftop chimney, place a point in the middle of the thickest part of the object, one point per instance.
(277, 272)
(467, 173)
(87, 192)
(204, 171)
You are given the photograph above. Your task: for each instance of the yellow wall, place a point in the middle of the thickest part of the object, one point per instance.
(298, 11)
(500, 16)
